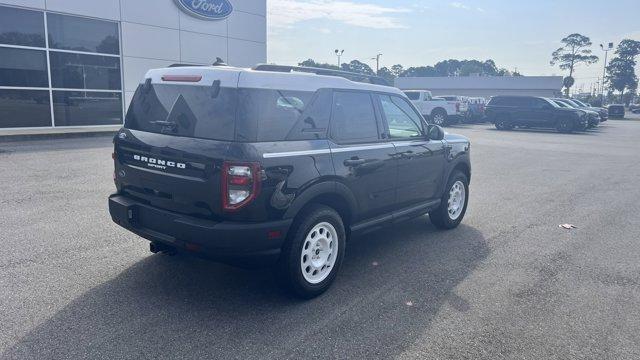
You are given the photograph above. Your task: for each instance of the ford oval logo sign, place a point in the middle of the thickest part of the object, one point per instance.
(206, 9)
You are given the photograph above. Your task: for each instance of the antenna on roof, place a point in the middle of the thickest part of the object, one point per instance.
(219, 62)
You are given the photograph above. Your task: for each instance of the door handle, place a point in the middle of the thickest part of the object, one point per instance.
(407, 154)
(354, 161)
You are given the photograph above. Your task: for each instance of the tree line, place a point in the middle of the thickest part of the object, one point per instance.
(449, 67)
(575, 51)
(620, 72)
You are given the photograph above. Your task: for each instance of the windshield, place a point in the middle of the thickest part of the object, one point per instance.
(580, 103)
(553, 103)
(573, 103)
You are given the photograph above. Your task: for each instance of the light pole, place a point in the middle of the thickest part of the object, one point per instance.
(339, 54)
(604, 71)
(377, 59)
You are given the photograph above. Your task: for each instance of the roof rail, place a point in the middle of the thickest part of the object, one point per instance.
(353, 76)
(182, 65)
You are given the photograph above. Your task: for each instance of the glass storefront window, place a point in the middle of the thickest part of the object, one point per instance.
(23, 68)
(81, 34)
(58, 70)
(80, 71)
(78, 108)
(24, 108)
(21, 27)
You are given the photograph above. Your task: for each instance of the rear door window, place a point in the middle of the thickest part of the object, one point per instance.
(521, 102)
(538, 104)
(353, 118)
(267, 115)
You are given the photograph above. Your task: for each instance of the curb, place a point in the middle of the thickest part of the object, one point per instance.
(29, 137)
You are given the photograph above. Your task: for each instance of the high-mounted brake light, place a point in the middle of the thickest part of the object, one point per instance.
(240, 184)
(182, 78)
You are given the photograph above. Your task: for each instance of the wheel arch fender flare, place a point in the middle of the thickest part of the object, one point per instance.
(330, 188)
(462, 166)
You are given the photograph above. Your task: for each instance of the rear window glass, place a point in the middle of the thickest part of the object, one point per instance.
(250, 115)
(181, 110)
(413, 95)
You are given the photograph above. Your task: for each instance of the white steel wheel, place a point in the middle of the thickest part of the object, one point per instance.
(457, 198)
(319, 252)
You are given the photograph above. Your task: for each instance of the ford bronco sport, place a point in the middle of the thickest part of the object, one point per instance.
(279, 165)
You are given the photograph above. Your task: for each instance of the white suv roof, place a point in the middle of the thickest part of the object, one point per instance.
(250, 78)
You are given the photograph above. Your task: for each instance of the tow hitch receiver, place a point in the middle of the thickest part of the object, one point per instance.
(156, 247)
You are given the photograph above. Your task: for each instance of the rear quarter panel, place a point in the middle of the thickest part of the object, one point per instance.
(289, 168)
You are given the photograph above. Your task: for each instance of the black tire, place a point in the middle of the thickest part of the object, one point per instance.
(441, 217)
(502, 123)
(289, 270)
(439, 117)
(565, 126)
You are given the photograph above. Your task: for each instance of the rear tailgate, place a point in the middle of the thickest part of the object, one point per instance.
(177, 135)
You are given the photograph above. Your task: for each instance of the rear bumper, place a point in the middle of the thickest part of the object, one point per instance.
(235, 242)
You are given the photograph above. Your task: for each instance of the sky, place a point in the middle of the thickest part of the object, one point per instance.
(516, 34)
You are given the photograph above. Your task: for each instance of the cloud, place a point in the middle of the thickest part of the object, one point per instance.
(286, 13)
(421, 7)
(459, 5)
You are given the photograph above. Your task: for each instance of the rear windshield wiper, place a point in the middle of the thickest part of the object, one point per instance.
(164, 123)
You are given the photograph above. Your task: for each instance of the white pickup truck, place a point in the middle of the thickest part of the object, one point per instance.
(439, 111)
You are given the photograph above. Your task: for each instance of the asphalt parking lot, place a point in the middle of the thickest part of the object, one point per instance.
(507, 284)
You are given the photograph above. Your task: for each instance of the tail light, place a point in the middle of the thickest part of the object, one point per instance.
(240, 184)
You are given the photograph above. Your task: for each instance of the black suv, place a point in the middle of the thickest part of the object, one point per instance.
(616, 111)
(279, 166)
(507, 112)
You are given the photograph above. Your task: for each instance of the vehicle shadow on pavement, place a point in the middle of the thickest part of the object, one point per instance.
(392, 285)
(588, 132)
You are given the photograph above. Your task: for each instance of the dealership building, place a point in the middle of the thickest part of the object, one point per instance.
(485, 86)
(73, 65)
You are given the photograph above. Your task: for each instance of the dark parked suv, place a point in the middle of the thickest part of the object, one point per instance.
(507, 112)
(616, 111)
(280, 166)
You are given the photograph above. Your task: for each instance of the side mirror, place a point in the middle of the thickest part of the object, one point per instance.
(435, 132)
